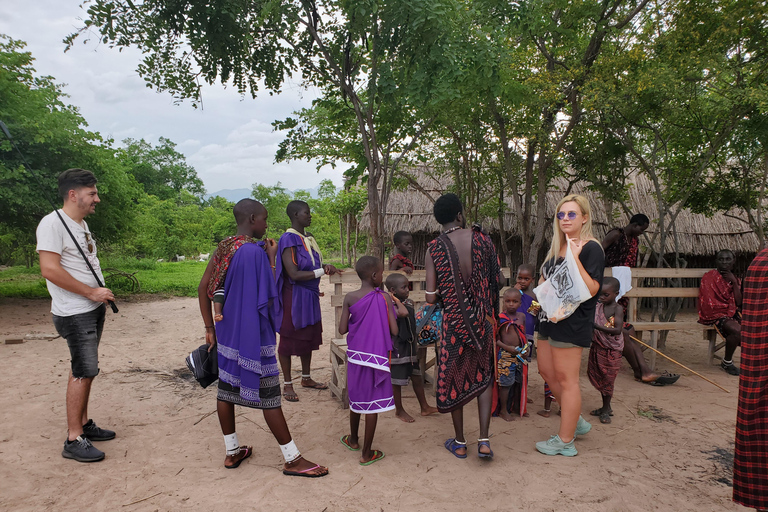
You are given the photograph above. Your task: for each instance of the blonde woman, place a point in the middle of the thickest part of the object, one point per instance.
(560, 344)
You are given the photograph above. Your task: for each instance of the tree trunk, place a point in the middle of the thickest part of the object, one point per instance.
(349, 260)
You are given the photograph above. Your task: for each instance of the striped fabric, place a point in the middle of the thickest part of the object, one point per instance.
(750, 464)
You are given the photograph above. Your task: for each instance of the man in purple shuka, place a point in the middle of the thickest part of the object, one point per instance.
(299, 268)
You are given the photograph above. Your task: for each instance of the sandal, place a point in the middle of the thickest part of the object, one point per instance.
(305, 472)
(345, 441)
(316, 385)
(452, 445)
(486, 443)
(377, 456)
(248, 452)
(290, 396)
(605, 417)
(599, 412)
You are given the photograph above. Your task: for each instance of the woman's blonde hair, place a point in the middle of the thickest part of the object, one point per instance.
(558, 237)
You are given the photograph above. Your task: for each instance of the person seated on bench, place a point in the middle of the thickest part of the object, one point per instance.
(621, 248)
(719, 305)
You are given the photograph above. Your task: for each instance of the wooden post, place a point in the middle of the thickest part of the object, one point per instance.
(654, 344)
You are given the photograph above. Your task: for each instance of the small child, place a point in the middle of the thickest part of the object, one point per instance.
(405, 359)
(403, 241)
(524, 283)
(366, 315)
(607, 345)
(511, 339)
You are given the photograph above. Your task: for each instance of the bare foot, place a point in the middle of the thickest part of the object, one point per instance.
(403, 416)
(429, 410)
(530, 400)
(525, 415)
(544, 413)
(506, 417)
(303, 467)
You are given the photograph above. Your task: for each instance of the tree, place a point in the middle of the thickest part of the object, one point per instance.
(161, 170)
(53, 138)
(381, 59)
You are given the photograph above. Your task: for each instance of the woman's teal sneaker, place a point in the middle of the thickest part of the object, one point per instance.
(555, 446)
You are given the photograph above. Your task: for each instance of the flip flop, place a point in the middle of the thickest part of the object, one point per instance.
(345, 441)
(377, 456)
(290, 397)
(248, 452)
(605, 418)
(304, 472)
(452, 445)
(317, 385)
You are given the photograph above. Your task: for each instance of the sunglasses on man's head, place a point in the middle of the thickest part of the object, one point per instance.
(571, 215)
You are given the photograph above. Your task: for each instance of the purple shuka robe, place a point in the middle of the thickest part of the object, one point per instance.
(368, 345)
(246, 336)
(305, 300)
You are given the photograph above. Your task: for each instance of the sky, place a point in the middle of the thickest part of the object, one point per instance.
(229, 142)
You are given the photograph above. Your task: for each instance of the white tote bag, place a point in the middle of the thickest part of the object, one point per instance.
(563, 291)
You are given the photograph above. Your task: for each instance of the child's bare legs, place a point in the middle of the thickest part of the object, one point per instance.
(354, 429)
(547, 406)
(418, 387)
(399, 411)
(607, 404)
(354, 434)
(503, 398)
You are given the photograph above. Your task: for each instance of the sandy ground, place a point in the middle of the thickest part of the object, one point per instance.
(169, 451)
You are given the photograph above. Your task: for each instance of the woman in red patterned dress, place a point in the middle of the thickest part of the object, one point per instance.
(463, 273)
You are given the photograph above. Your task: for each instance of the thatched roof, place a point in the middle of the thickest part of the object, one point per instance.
(410, 210)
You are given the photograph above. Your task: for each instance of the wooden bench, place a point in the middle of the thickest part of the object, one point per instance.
(639, 291)
(338, 383)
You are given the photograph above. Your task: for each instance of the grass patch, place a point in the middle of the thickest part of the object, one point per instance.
(22, 282)
(175, 279)
(166, 278)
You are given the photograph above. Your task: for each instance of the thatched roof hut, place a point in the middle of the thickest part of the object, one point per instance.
(698, 235)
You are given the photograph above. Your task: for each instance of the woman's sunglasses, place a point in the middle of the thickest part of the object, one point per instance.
(571, 215)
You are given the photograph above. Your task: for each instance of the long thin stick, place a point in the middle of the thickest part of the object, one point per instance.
(142, 499)
(679, 364)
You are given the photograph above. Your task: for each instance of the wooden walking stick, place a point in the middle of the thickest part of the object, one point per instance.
(679, 364)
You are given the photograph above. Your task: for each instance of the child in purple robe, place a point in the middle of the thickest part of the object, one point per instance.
(367, 316)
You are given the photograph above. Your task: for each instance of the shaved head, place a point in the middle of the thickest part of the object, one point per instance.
(293, 208)
(527, 267)
(245, 208)
(612, 283)
(367, 265)
(394, 280)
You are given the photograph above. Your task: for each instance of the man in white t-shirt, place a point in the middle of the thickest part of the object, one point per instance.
(78, 303)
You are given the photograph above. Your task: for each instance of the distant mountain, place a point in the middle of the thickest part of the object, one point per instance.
(237, 194)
